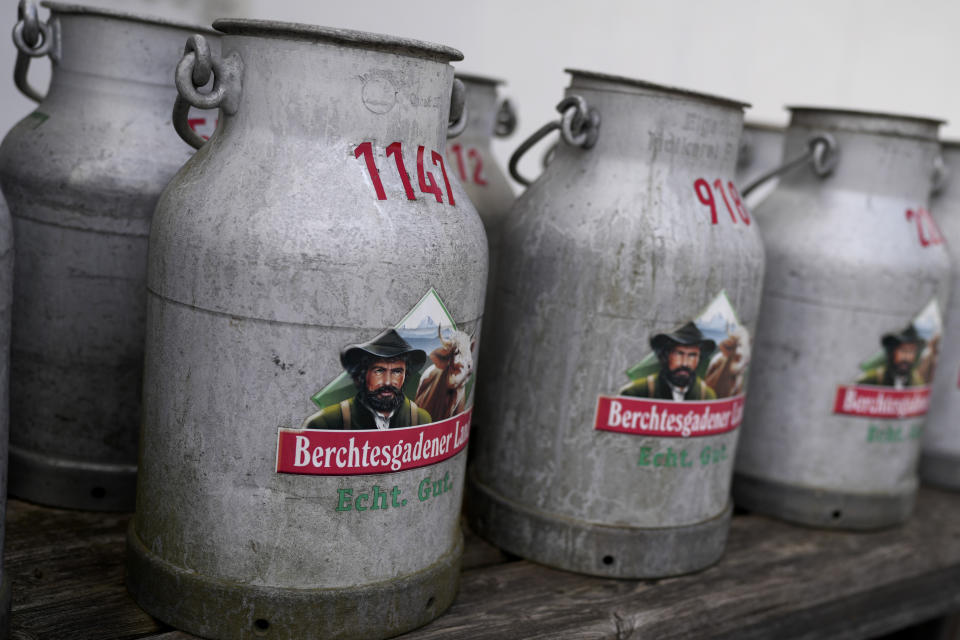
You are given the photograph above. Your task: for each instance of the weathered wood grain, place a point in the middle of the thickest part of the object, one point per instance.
(775, 581)
(66, 569)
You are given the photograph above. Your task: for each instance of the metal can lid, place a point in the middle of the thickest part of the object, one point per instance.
(346, 37)
(864, 121)
(661, 88)
(79, 9)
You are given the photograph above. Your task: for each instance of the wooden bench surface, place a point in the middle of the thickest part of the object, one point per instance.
(775, 581)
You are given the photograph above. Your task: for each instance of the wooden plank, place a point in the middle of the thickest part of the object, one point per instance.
(775, 580)
(66, 569)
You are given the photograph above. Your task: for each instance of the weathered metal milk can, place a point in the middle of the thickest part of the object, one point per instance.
(82, 175)
(471, 158)
(620, 359)
(857, 277)
(940, 450)
(761, 149)
(316, 280)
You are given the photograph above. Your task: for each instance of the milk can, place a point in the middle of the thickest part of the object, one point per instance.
(471, 158)
(316, 281)
(857, 278)
(761, 148)
(627, 297)
(82, 174)
(940, 449)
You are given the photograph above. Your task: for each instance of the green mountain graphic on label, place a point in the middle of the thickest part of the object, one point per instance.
(925, 329)
(421, 328)
(718, 321)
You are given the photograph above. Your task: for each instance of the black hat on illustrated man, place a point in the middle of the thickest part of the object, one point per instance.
(387, 345)
(908, 335)
(688, 334)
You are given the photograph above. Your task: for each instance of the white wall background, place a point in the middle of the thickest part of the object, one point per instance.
(890, 55)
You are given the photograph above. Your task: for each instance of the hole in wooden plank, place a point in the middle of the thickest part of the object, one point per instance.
(260, 626)
(607, 560)
(98, 492)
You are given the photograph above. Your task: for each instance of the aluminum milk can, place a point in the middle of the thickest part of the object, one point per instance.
(621, 353)
(857, 278)
(316, 282)
(761, 149)
(471, 158)
(82, 175)
(940, 447)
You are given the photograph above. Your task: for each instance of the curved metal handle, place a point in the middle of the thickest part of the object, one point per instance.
(458, 109)
(194, 70)
(822, 153)
(579, 126)
(506, 122)
(33, 39)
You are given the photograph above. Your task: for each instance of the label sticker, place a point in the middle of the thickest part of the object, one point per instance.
(895, 381)
(403, 401)
(692, 383)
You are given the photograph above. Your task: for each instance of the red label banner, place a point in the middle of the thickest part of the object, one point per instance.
(668, 418)
(356, 452)
(871, 401)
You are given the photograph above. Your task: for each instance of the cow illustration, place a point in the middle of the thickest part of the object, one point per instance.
(726, 370)
(928, 359)
(442, 390)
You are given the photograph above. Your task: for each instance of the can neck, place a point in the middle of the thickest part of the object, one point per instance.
(117, 49)
(674, 131)
(481, 110)
(338, 95)
(875, 155)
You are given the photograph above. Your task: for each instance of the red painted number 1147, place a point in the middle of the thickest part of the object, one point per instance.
(425, 178)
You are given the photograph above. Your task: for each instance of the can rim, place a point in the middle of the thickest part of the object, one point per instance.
(866, 113)
(347, 37)
(644, 84)
(479, 78)
(79, 9)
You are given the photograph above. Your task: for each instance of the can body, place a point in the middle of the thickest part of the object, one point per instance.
(82, 175)
(583, 464)
(852, 301)
(761, 149)
(940, 455)
(266, 261)
(470, 157)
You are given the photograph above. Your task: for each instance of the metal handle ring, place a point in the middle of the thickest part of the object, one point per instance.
(823, 148)
(458, 109)
(186, 68)
(579, 126)
(822, 153)
(194, 70)
(33, 39)
(506, 122)
(39, 48)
